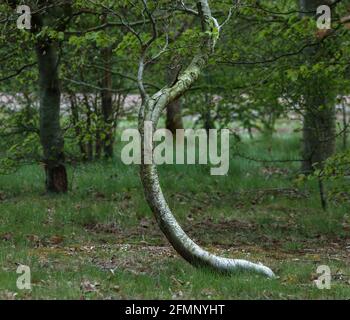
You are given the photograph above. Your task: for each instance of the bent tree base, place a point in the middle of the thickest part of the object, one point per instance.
(187, 248)
(150, 110)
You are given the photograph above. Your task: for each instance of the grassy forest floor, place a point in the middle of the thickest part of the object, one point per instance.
(100, 241)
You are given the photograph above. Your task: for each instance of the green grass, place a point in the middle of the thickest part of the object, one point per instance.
(100, 240)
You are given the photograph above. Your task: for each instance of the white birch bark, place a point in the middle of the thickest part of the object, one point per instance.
(151, 109)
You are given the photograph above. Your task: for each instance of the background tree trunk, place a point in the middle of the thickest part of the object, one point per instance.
(319, 131)
(345, 124)
(76, 124)
(208, 121)
(174, 116)
(319, 126)
(107, 100)
(173, 109)
(50, 129)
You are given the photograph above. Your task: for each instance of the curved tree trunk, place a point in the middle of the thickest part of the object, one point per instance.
(150, 111)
